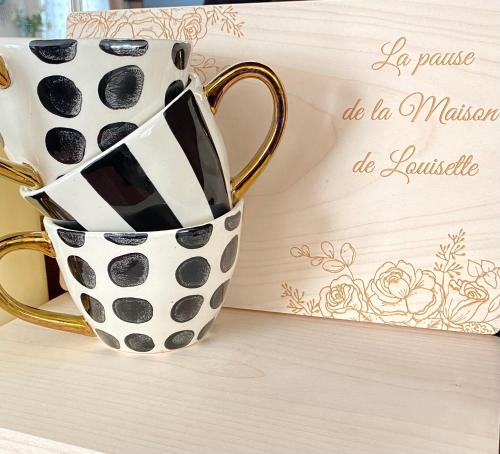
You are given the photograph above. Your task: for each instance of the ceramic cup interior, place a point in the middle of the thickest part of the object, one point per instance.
(169, 173)
(149, 291)
(67, 100)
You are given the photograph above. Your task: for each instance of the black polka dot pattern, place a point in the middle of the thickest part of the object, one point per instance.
(54, 51)
(173, 90)
(72, 238)
(113, 133)
(203, 332)
(93, 307)
(82, 271)
(121, 88)
(186, 308)
(194, 237)
(108, 339)
(193, 272)
(229, 255)
(65, 145)
(130, 318)
(126, 239)
(129, 270)
(232, 222)
(60, 96)
(139, 342)
(124, 47)
(133, 310)
(218, 296)
(180, 55)
(179, 339)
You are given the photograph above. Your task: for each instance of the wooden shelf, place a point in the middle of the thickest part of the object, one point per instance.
(259, 383)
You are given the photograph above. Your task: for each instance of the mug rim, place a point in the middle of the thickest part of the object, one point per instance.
(193, 82)
(51, 224)
(6, 40)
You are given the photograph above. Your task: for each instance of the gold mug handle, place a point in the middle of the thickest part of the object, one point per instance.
(4, 74)
(38, 241)
(214, 92)
(23, 174)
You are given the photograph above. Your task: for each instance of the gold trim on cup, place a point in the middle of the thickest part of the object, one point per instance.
(4, 75)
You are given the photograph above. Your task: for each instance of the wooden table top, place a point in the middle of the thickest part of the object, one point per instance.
(259, 383)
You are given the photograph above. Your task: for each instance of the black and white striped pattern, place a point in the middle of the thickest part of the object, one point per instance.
(172, 172)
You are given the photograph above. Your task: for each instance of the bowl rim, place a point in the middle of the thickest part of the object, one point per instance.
(52, 226)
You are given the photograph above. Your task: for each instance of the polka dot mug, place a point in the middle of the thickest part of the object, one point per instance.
(172, 172)
(138, 292)
(64, 101)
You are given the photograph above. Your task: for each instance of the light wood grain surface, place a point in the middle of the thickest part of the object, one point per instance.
(259, 383)
(21, 443)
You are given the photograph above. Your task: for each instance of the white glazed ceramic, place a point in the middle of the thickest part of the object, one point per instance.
(69, 99)
(139, 292)
(171, 172)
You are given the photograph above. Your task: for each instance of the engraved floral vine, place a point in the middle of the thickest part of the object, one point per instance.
(191, 24)
(449, 296)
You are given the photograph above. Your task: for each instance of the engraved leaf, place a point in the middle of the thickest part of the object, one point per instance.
(347, 253)
(316, 261)
(467, 312)
(296, 252)
(487, 265)
(333, 266)
(491, 279)
(327, 249)
(305, 250)
(474, 269)
(493, 309)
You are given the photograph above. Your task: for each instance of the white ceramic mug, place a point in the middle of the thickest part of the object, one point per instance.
(138, 292)
(173, 171)
(64, 101)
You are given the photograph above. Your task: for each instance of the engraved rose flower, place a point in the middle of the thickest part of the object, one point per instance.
(343, 296)
(470, 304)
(399, 293)
(193, 25)
(470, 290)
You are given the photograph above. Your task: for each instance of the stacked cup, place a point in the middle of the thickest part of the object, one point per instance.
(116, 144)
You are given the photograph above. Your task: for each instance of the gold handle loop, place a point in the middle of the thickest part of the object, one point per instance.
(4, 75)
(214, 91)
(23, 174)
(38, 241)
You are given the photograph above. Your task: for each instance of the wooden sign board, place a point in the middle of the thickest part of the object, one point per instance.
(382, 203)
